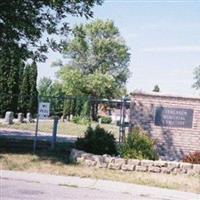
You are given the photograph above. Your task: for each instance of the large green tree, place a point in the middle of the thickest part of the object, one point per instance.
(98, 53)
(24, 22)
(98, 46)
(27, 30)
(98, 61)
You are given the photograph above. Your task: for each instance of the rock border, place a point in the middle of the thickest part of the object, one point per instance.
(115, 163)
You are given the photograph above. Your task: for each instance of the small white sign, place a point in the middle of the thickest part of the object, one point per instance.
(44, 110)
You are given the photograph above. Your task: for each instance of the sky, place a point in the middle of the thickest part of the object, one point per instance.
(163, 38)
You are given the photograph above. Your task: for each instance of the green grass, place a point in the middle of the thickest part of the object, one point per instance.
(65, 128)
(18, 155)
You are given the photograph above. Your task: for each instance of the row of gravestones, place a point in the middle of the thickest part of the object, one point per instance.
(9, 117)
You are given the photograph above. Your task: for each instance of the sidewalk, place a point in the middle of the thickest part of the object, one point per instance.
(103, 185)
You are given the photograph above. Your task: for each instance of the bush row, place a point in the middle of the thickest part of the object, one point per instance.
(99, 141)
(137, 145)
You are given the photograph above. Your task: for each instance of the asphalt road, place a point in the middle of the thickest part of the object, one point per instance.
(16, 185)
(21, 190)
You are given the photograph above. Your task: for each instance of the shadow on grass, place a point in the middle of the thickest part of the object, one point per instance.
(43, 151)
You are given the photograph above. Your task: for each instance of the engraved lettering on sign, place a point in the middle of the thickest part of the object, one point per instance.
(174, 117)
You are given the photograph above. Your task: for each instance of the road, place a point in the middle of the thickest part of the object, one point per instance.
(16, 185)
(13, 190)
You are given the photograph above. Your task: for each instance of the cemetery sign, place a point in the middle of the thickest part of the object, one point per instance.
(174, 117)
(172, 121)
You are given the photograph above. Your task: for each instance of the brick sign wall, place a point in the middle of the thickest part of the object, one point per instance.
(174, 122)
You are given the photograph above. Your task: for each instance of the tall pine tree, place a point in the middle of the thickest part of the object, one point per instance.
(11, 67)
(24, 93)
(29, 94)
(33, 104)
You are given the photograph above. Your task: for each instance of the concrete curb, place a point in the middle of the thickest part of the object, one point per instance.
(104, 185)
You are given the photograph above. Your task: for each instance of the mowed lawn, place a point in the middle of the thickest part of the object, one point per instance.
(17, 155)
(65, 128)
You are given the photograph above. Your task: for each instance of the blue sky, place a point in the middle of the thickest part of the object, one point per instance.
(164, 42)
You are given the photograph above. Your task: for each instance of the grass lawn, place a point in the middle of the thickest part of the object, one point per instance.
(17, 155)
(68, 128)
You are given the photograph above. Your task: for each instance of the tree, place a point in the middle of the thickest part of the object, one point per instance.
(98, 46)
(27, 31)
(97, 49)
(45, 88)
(72, 81)
(29, 95)
(33, 104)
(156, 88)
(196, 84)
(98, 62)
(23, 23)
(97, 85)
(52, 92)
(25, 91)
(11, 72)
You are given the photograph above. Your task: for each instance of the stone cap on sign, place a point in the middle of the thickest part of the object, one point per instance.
(163, 95)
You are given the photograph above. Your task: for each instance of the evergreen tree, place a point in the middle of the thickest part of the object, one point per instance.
(156, 88)
(14, 83)
(33, 102)
(4, 73)
(86, 109)
(11, 69)
(29, 94)
(25, 91)
(22, 27)
(67, 108)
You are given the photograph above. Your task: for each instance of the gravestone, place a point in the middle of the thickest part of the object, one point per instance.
(62, 119)
(29, 117)
(9, 117)
(20, 117)
(99, 121)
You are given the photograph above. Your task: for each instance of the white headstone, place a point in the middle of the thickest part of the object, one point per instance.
(99, 121)
(9, 117)
(70, 117)
(20, 117)
(62, 119)
(29, 117)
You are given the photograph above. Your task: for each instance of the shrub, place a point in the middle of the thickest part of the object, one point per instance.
(81, 120)
(105, 120)
(138, 145)
(193, 158)
(97, 141)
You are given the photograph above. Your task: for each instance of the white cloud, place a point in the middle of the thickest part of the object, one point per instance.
(172, 49)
